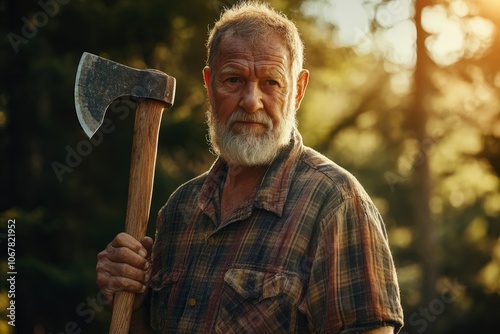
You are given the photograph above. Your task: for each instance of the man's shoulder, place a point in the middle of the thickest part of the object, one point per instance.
(193, 185)
(326, 173)
(186, 193)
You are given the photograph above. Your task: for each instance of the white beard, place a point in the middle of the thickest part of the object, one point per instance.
(247, 148)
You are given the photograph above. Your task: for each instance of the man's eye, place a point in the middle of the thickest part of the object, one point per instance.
(233, 80)
(272, 83)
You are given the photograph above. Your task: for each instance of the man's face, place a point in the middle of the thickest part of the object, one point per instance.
(253, 99)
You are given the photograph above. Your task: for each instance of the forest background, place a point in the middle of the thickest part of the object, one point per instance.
(404, 94)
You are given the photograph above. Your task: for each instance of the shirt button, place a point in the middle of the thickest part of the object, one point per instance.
(211, 241)
(191, 302)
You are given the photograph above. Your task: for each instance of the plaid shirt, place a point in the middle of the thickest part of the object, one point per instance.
(308, 253)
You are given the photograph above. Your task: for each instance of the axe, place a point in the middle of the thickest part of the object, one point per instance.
(98, 83)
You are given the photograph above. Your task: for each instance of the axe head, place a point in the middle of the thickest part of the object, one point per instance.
(100, 81)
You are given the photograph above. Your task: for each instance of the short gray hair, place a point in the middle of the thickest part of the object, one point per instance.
(255, 21)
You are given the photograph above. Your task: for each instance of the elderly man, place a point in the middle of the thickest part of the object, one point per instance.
(274, 238)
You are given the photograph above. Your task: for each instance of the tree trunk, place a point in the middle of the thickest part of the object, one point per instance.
(427, 231)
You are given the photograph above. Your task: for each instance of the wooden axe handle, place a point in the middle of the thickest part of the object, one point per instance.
(142, 167)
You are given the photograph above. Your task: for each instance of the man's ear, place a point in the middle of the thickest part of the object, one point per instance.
(302, 81)
(206, 78)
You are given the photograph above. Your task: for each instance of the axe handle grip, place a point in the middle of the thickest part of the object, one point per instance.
(142, 167)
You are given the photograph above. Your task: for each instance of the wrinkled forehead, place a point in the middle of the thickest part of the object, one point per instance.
(271, 49)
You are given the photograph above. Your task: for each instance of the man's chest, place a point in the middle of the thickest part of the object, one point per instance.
(210, 275)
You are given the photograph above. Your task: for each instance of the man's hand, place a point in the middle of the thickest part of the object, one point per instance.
(125, 265)
(381, 330)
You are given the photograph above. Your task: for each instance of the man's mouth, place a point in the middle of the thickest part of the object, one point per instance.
(250, 123)
(251, 126)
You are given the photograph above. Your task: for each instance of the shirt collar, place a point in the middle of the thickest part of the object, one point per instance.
(273, 189)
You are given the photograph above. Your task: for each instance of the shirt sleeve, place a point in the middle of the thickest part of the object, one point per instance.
(353, 285)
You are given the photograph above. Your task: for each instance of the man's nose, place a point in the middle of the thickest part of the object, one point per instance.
(251, 99)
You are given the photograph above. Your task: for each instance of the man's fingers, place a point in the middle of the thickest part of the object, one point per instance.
(106, 268)
(129, 272)
(117, 284)
(126, 240)
(124, 266)
(147, 243)
(115, 277)
(124, 255)
(125, 284)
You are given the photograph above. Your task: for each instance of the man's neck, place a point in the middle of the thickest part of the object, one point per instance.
(241, 177)
(240, 185)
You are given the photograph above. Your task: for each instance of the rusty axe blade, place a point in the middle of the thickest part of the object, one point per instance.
(100, 81)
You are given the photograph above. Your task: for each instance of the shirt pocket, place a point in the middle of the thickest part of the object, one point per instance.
(258, 302)
(160, 287)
